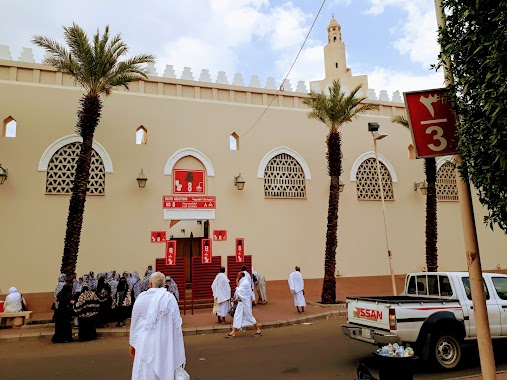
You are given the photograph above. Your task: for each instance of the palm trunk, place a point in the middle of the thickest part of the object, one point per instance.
(334, 162)
(88, 119)
(430, 169)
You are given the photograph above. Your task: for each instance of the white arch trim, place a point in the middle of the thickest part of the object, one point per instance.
(367, 155)
(53, 148)
(443, 160)
(283, 149)
(168, 169)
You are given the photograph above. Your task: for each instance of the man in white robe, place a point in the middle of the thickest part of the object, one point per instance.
(222, 294)
(250, 281)
(243, 315)
(156, 337)
(297, 288)
(260, 287)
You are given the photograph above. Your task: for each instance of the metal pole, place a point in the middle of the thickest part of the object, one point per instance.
(480, 311)
(389, 255)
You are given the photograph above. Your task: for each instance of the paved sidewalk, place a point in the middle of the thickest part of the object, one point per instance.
(278, 312)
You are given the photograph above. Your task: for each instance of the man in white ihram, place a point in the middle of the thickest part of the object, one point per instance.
(297, 287)
(156, 337)
(222, 294)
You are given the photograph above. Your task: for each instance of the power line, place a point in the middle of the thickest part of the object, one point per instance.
(288, 73)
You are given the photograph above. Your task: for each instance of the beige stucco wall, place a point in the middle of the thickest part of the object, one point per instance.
(279, 233)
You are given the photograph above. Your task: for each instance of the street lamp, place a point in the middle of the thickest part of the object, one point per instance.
(379, 135)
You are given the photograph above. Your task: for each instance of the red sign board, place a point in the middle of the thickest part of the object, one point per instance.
(432, 123)
(219, 235)
(188, 181)
(206, 251)
(171, 201)
(240, 250)
(158, 236)
(170, 252)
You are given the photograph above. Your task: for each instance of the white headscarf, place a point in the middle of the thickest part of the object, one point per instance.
(59, 286)
(13, 301)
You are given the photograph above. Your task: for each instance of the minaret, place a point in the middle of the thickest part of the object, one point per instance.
(334, 52)
(335, 63)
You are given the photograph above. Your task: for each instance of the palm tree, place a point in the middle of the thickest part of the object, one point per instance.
(96, 66)
(334, 110)
(430, 169)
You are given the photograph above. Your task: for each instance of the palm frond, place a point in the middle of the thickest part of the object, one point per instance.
(400, 119)
(95, 64)
(337, 108)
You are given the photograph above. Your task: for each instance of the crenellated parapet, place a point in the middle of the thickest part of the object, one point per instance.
(284, 87)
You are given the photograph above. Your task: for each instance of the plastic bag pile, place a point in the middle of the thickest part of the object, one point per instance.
(396, 351)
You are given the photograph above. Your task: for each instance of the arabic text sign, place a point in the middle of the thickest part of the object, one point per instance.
(176, 201)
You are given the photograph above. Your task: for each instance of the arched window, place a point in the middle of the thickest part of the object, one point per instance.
(141, 135)
(10, 126)
(447, 188)
(62, 168)
(234, 141)
(367, 181)
(284, 178)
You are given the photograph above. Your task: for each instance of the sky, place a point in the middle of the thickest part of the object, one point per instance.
(394, 42)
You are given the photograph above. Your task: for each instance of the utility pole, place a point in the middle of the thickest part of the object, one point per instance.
(486, 355)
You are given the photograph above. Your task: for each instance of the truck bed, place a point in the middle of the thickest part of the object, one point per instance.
(402, 299)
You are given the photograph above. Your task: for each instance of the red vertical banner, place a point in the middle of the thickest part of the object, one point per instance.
(170, 252)
(240, 250)
(206, 251)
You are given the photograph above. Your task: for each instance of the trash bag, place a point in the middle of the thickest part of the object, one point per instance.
(363, 373)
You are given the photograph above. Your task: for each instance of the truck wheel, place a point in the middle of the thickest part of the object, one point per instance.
(446, 350)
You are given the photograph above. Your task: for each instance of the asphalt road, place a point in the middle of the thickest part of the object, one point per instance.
(303, 352)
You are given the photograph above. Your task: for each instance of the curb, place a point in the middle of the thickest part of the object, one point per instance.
(187, 331)
(478, 376)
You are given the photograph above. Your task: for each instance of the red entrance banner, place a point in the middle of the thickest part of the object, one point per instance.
(170, 201)
(206, 253)
(188, 181)
(432, 123)
(240, 250)
(158, 236)
(170, 252)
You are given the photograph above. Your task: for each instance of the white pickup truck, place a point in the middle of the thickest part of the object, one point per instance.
(434, 315)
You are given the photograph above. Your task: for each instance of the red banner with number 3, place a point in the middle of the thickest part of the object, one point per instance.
(432, 123)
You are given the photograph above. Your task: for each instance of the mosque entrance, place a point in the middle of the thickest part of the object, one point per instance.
(188, 248)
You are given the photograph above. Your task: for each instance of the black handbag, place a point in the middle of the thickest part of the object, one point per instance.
(232, 309)
(23, 305)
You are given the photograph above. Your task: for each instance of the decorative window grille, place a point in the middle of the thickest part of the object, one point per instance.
(62, 168)
(367, 181)
(284, 178)
(447, 188)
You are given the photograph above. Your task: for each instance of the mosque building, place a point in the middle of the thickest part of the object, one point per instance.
(196, 141)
